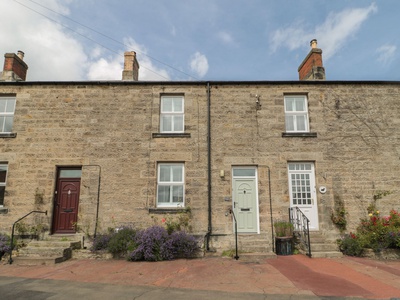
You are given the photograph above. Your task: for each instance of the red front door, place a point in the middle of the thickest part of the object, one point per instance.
(66, 204)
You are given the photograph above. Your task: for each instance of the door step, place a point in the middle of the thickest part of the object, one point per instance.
(323, 247)
(256, 257)
(53, 250)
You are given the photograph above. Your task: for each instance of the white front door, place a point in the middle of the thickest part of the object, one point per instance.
(302, 190)
(245, 199)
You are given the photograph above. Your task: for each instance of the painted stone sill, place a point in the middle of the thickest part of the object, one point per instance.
(8, 135)
(3, 210)
(383, 254)
(170, 135)
(167, 210)
(299, 134)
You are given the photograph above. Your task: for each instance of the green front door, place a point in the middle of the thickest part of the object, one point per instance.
(245, 200)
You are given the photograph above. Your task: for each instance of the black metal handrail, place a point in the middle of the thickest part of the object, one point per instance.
(236, 239)
(10, 261)
(301, 227)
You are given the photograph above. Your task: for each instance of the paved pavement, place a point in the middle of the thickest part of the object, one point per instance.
(286, 277)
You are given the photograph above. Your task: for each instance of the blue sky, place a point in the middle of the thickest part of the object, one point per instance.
(202, 39)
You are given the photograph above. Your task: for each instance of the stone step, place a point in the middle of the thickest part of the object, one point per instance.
(326, 254)
(45, 252)
(56, 244)
(54, 249)
(87, 254)
(37, 261)
(318, 247)
(256, 256)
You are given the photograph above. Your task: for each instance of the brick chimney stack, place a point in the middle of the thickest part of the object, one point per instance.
(131, 67)
(15, 68)
(312, 68)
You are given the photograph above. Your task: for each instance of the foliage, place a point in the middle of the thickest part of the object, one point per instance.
(338, 215)
(5, 243)
(378, 195)
(22, 228)
(151, 244)
(184, 245)
(350, 245)
(375, 232)
(122, 241)
(283, 228)
(181, 222)
(100, 242)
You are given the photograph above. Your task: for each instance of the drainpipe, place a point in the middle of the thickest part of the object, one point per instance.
(209, 165)
(270, 208)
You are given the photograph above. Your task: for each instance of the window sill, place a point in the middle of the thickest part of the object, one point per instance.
(167, 210)
(3, 210)
(170, 135)
(299, 134)
(8, 134)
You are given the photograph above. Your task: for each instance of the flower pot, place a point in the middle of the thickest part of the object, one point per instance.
(284, 245)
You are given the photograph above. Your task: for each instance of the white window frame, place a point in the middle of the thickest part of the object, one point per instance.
(3, 183)
(174, 114)
(6, 114)
(295, 114)
(171, 184)
(303, 176)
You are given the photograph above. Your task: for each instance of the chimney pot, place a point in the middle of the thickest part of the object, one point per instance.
(313, 43)
(21, 54)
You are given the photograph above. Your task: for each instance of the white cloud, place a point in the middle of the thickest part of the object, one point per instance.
(199, 64)
(225, 37)
(386, 53)
(111, 68)
(54, 53)
(50, 53)
(332, 34)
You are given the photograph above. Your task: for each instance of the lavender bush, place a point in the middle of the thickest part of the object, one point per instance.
(155, 244)
(4, 243)
(184, 245)
(151, 244)
(100, 242)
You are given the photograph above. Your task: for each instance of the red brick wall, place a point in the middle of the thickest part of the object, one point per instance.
(13, 63)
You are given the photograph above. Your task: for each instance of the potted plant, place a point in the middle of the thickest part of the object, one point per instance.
(283, 237)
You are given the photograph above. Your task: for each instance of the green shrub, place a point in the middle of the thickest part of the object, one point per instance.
(351, 245)
(122, 242)
(375, 232)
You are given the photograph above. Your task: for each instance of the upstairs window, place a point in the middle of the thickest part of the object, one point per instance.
(172, 117)
(170, 185)
(3, 178)
(296, 114)
(7, 107)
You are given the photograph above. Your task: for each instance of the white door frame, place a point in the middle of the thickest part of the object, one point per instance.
(256, 206)
(305, 192)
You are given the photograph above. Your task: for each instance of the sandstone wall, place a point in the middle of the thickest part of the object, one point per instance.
(111, 125)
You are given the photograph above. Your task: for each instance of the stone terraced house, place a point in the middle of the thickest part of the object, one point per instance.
(100, 154)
